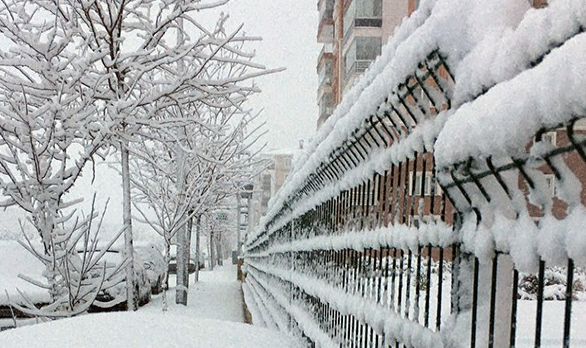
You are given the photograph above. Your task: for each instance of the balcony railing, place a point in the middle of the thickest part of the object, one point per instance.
(326, 9)
(325, 82)
(325, 31)
(358, 67)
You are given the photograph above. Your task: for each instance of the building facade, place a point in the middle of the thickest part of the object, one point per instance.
(268, 182)
(352, 33)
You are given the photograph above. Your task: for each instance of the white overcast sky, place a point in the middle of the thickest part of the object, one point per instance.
(289, 30)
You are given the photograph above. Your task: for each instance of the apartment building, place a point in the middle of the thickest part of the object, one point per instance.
(268, 182)
(352, 33)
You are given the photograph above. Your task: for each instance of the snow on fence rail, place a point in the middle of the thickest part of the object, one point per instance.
(442, 205)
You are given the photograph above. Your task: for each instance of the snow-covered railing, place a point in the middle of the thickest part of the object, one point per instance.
(442, 204)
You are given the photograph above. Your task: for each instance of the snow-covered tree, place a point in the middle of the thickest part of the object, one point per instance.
(178, 178)
(50, 127)
(161, 63)
(78, 74)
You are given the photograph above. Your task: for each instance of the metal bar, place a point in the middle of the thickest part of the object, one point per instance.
(417, 285)
(498, 177)
(577, 145)
(375, 125)
(491, 323)
(437, 81)
(405, 193)
(424, 89)
(428, 287)
(440, 275)
(400, 294)
(400, 116)
(385, 297)
(474, 305)
(476, 181)
(512, 335)
(380, 276)
(568, 305)
(539, 312)
(393, 281)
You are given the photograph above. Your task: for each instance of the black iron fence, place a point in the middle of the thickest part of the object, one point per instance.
(379, 246)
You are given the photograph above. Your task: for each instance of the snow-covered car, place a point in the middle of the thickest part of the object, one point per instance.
(112, 296)
(190, 266)
(173, 265)
(154, 264)
(15, 260)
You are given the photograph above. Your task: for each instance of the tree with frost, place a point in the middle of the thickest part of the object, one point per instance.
(102, 70)
(77, 277)
(160, 58)
(179, 176)
(50, 128)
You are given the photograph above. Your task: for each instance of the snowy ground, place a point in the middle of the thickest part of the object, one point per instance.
(217, 295)
(212, 318)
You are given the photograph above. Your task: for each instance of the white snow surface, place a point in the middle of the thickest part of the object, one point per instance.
(15, 260)
(142, 329)
(212, 318)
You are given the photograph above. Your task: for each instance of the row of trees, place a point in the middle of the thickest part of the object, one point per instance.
(142, 80)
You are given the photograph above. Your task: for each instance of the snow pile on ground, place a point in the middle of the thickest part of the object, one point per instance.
(212, 318)
(217, 295)
(15, 260)
(141, 330)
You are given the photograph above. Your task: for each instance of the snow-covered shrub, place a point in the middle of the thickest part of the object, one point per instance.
(554, 285)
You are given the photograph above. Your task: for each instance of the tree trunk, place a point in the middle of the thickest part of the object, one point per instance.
(127, 219)
(197, 246)
(166, 280)
(219, 249)
(211, 250)
(182, 266)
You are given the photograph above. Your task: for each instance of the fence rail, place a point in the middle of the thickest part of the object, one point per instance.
(412, 222)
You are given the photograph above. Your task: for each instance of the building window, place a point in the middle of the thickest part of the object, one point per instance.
(369, 8)
(363, 13)
(549, 138)
(326, 105)
(325, 74)
(417, 221)
(415, 187)
(288, 162)
(361, 53)
(266, 183)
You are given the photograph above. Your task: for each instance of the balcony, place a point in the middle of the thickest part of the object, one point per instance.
(325, 75)
(325, 53)
(324, 115)
(358, 67)
(325, 31)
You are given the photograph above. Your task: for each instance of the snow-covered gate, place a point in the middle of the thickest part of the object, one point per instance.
(442, 205)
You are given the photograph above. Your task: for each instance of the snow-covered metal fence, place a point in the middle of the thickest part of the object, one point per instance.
(442, 204)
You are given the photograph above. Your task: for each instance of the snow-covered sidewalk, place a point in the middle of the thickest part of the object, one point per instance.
(213, 318)
(217, 295)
